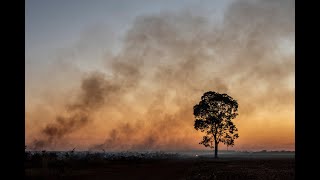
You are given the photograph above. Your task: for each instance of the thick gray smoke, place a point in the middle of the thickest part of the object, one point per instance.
(169, 60)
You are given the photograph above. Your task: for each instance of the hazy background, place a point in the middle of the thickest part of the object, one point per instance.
(125, 75)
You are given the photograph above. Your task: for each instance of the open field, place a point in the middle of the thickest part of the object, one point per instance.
(159, 166)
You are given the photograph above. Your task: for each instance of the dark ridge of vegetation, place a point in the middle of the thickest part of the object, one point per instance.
(38, 157)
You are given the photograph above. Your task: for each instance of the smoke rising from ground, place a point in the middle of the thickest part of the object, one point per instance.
(169, 60)
(77, 115)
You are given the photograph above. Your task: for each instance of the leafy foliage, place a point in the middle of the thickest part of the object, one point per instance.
(214, 115)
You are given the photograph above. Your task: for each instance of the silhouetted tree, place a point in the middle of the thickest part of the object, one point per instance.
(213, 115)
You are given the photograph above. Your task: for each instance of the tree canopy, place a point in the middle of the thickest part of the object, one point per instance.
(214, 115)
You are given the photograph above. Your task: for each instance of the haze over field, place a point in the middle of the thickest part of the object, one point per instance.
(125, 75)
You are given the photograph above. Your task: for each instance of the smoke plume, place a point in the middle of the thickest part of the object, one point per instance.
(168, 60)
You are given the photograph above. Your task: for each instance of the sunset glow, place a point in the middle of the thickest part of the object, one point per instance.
(99, 79)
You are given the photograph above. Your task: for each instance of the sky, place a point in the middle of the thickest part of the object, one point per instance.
(125, 75)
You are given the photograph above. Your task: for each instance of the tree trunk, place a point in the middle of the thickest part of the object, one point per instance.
(216, 150)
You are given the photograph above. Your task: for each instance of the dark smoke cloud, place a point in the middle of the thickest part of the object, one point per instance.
(169, 60)
(92, 97)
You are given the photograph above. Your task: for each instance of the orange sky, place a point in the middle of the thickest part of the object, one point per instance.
(142, 96)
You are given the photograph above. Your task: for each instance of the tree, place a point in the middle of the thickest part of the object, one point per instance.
(213, 115)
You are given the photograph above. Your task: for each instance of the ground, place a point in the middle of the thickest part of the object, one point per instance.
(173, 167)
